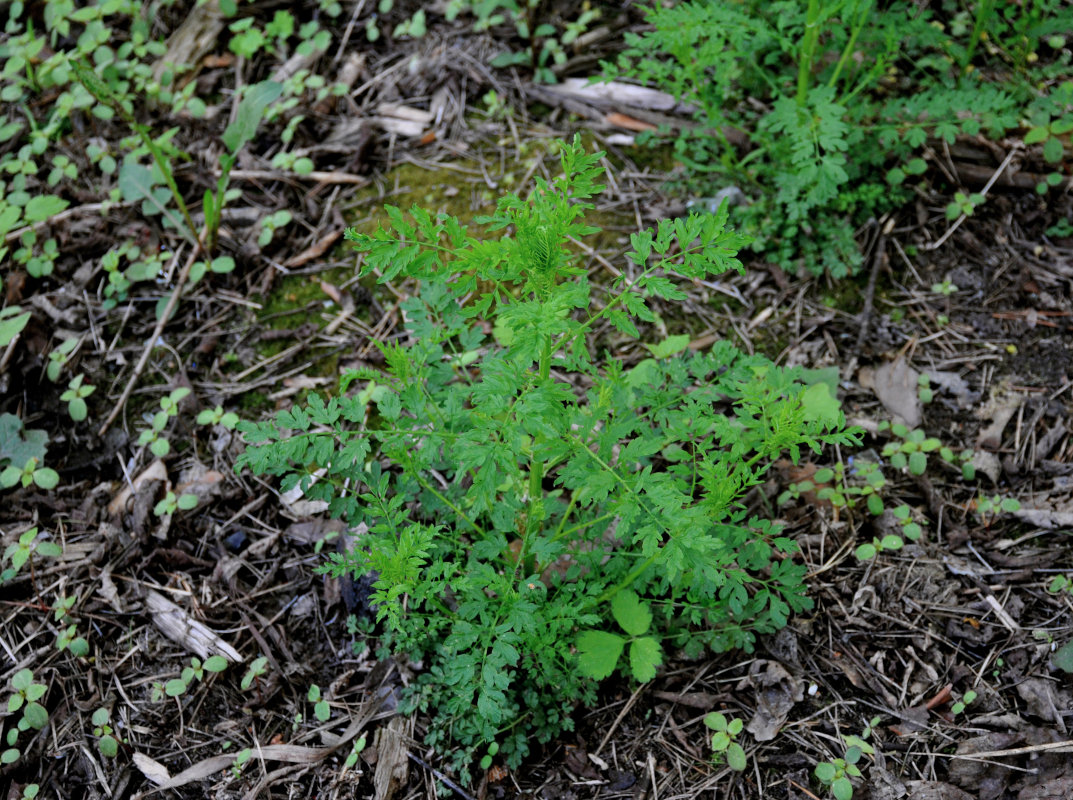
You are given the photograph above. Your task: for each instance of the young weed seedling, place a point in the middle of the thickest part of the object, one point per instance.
(523, 492)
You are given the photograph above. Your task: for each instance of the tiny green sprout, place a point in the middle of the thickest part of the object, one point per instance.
(170, 504)
(257, 668)
(69, 640)
(217, 416)
(988, 508)
(946, 288)
(490, 753)
(28, 544)
(241, 757)
(62, 607)
(170, 404)
(42, 477)
(724, 744)
(964, 205)
(220, 265)
(106, 742)
(29, 791)
(75, 397)
(924, 391)
(27, 693)
(355, 752)
(59, 357)
(1060, 584)
(966, 700)
(272, 223)
(321, 710)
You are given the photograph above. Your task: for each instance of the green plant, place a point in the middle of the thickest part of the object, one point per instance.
(154, 434)
(27, 692)
(217, 416)
(59, 356)
(30, 473)
(272, 223)
(257, 668)
(912, 451)
(23, 550)
(964, 205)
(321, 710)
(988, 508)
(69, 640)
(242, 757)
(171, 504)
(966, 700)
(29, 791)
(1060, 584)
(75, 397)
(106, 741)
(924, 390)
(836, 773)
(946, 288)
(359, 746)
(724, 744)
(818, 138)
(195, 672)
(519, 489)
(599, 651)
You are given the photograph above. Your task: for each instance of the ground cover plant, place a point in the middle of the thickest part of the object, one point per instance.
(516, 489)
(827, 114)
(175, 180)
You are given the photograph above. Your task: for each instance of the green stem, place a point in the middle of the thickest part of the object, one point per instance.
(808, 51)
(866, 10)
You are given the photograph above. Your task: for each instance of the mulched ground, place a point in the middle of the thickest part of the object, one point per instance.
(900, 638)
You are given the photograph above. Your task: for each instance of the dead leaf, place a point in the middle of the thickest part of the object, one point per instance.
(1000, 411)
(895, 385)
(154, 472)
(620, 120)
(935, 790)
(1041, 700)
(1045, 518)
(154, 771)
(777, 692)
(315, 250)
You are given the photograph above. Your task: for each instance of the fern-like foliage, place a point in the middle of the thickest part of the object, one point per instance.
(834, 97)
(513, 483)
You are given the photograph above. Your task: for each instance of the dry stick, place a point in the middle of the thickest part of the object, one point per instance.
(870, 291)
(1002, 168)
(173, 301)
(1016, 751)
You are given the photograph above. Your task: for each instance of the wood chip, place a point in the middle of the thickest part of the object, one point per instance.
(185, 631)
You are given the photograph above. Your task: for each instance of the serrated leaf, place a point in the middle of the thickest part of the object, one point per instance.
(598, 653)
(645, 656)
(630, 613)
